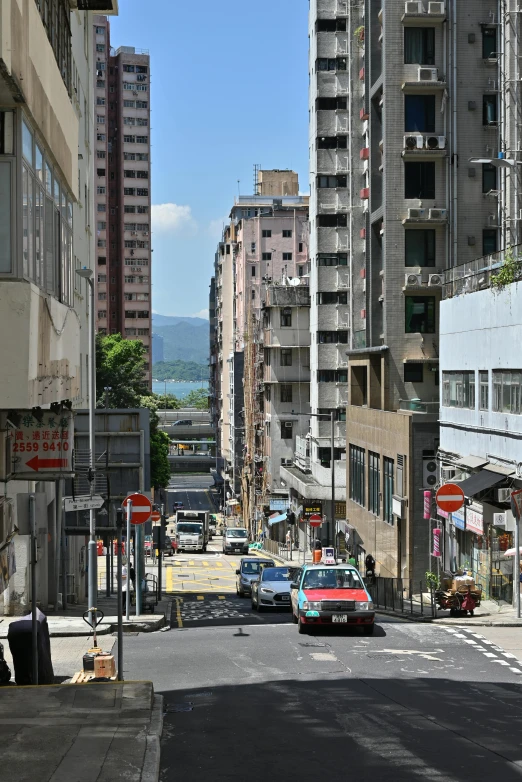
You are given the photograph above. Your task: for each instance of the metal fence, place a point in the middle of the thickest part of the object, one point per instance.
(402, 595)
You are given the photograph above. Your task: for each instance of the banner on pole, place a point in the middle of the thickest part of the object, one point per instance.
(436, 542)
(427, 504)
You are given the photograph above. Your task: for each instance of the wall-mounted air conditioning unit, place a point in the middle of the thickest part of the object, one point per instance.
(438, 214)
(502, 495)
(413, 142)
(428, 74)
(430, 472)
(499, 519)
(437, 9)
(416, 214)
(412, 280)
(436, 280)
(435, 142)
(414, 7)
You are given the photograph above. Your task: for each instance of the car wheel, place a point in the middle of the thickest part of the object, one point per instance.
(302, 629)
(368, 630)
(240, 593)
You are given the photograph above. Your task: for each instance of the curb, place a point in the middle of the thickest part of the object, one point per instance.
(151, 762)
(130, 627)
(445, 622)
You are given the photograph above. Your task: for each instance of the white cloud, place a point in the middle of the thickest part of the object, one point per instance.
(200, 314)
(172, 218)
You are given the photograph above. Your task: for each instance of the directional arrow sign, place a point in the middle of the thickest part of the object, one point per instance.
(38, 463)
(83, 503)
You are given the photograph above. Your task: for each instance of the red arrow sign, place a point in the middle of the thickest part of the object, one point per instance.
(37, 464)
(450, 497)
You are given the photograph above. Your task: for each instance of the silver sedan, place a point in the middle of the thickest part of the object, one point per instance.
(272, 589)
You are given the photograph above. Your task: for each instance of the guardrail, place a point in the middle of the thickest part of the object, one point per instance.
(403, 596)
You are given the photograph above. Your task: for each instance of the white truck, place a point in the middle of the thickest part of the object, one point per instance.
(192, 530)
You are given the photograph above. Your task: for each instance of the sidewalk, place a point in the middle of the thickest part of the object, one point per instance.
(81, 733)
(70, 623)
(488, 614)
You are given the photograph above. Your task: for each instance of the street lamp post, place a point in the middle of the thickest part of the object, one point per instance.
(92, 554)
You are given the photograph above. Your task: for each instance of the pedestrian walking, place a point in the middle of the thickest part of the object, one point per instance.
(351, 559)
(132, 574)
(288, 540)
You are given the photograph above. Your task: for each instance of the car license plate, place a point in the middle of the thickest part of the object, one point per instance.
(286, 597)
(339, 618)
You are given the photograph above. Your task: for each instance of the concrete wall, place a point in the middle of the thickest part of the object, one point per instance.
(482, 331)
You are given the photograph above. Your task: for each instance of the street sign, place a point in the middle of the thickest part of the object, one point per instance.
(516, 504)
(141, 507)
(315, 520)
(83, 503)
(42, 446)
(450, 497)
(155, 516)
(312, 509)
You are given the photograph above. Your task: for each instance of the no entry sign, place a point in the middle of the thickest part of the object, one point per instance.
(141, 507)
(450, 497)
(315, 520)
(155, 515)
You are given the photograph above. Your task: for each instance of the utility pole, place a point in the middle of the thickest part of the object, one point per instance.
(331, 538)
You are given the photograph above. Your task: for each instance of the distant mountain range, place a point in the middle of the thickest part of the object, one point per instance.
(186, 339)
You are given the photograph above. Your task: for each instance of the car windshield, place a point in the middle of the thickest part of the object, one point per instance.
(276, 574)
(194, 529)
(236, 533)
(330, 578)
(251, 567)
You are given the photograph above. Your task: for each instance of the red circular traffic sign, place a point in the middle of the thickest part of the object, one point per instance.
(141, 507)
(155, 515)
(315, 520)
(450, 497)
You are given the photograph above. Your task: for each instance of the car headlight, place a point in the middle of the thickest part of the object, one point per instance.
(244, 580)
(365, 605)
(313, 606)
(267, 591)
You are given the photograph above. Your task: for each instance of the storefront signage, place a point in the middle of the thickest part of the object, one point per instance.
(474, 522)
(340, 510)
(310, 510)
(279, 504)
(458, 519)
(42, 446)
(436, 542)
(427, 504)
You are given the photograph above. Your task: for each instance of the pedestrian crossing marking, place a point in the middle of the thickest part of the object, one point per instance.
(219, 564)
(205, 564)
(192, 563)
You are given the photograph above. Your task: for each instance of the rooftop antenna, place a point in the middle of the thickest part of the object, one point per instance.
(257, 168)
(238, 191)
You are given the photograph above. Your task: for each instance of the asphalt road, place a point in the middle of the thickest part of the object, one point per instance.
(192, 490)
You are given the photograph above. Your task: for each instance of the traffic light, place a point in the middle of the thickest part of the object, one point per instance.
(290, 517)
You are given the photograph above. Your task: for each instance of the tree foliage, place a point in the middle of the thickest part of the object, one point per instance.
(179, 370)
(120, 367)
(197, 398)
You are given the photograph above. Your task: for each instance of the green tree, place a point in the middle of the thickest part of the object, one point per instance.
(120, 366)
(197, 398)
(179, 370)
(170, 402)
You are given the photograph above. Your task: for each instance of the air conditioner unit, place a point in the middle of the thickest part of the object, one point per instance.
(430, 473)
(436, 280)
(288, 424)
(415, 214)
(447, 473)
(435, 142)
(438, 214)
(414, 7)
(412, 279)
(438, 9)
(413, 142)
(499, 519)
(428, 74)
(134, 233)
(502, 495)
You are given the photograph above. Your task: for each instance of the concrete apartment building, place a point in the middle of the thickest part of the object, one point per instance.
(418, 91)
(46, 200)
(123, 189)
(264, 246)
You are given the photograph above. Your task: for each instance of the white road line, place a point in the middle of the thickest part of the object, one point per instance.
(500, 662)
(489, 654)
(516, 670)
(469, 641)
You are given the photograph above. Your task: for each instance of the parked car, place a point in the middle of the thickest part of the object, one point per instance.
(331, 595)
(187, 422)
(272, 589)
(249, 570)
(178, 506)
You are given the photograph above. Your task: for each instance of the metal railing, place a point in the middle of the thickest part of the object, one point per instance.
(403, 596)
(477, 275)
(418, 406)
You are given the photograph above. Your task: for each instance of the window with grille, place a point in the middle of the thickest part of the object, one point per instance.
(357, 474)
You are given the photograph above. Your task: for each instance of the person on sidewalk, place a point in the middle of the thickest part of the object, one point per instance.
(132, 574)
(351, 559)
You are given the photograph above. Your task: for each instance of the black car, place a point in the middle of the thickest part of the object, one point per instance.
(187, 422)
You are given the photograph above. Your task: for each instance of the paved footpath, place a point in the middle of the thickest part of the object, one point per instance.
(81, 733)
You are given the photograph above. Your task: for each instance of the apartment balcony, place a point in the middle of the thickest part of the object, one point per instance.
(418, 406)
(331, 317)
(327, 240)
(40, 348)
(327, 160)
(298, 372)
(423, 80)
(332, 200)
(477, 275)
(281, 337)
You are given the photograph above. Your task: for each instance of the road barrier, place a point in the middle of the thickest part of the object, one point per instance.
(402, 596)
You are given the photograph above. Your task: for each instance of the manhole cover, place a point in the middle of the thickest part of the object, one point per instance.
(176, 708)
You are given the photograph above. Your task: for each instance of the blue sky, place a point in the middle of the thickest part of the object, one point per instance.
(229, 89)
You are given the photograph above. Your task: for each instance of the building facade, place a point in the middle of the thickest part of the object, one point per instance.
(46, 168)
(480, 417)
(123, 189)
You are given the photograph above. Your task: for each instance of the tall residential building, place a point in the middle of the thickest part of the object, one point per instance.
(406, 126)
(46, 201)
(264, 246)
(123, 189)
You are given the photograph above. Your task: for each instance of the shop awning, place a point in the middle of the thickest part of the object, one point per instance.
(276, 518)
(480, 481)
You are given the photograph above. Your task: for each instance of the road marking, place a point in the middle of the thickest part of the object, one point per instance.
(178, 613)
(323, 656)
(508, 654)
(516, 670)
(219, 564)
(200, 597)
(469, 641)
(191, 563)
(205, 564)
(221, 597)
(500, 662)
(489, 654)
(170, 580)
(425, 655)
